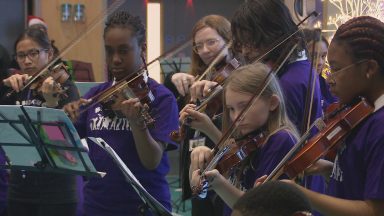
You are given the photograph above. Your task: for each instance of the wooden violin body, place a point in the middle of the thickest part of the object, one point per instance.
(230, 156)
(239, 151)
(136, 87)
(58, 72)
(337, 127)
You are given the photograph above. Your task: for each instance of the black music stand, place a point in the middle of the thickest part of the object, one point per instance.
(42, 140)
(178, 64)
(149, 202)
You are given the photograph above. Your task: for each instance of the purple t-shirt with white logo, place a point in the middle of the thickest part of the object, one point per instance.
(358, 171)
(112, 195)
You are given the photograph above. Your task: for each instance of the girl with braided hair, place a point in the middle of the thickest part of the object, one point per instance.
(142, 149)
(356, 58)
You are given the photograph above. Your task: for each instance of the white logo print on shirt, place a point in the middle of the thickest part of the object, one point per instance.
(105, 123)
(337, 173)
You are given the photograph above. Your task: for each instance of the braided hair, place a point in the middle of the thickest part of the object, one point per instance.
(123, 19)
(364, 36)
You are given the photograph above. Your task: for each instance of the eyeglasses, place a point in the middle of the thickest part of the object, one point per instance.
(334, 72)
(210, 43)
(32, 54)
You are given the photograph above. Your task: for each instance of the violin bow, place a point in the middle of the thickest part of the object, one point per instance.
(94, 23)
(218, 57)
(131, 77)
(220, 149)
(311, 86)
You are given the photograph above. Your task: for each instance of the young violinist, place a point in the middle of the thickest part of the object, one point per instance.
(314, 37)
(356, 62)
(141, 147)
(210, 36)
(266, 116)
(256, 25)
(32, 193)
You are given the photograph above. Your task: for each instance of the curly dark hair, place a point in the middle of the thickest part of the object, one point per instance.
(364, 36)
(123, 19)
(273, 198)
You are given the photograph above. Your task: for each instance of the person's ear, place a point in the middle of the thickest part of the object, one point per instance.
(50, 54)
(372, 68)
(274, 102)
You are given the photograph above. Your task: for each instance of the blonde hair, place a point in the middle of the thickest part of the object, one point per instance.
(249, 79)
(216, 22)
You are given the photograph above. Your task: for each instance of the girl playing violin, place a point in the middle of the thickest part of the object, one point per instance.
(32, 193)
(256, 25)
(210, 35)
(267, 115)
(356, 61)
(143, 149)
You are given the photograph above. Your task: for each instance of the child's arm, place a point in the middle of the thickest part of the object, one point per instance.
(329, 205)
(229, 193)
(200, 121)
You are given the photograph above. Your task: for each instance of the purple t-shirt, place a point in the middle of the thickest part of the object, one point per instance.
(265, 160)
(326, 97)
(294, 83)
(358, 171)
(112, 195)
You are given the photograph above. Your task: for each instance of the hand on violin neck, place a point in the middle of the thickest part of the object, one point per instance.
(320, 167)
(51, 91)
(260, 180)
(131, 109)
(201, 89)
(197, 120)
(200, 156)
(72, 109)
(182, 82)
(16, 81)
(214, 178)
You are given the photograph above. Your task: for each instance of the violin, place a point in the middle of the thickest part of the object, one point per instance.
(213, 103)
(58, 72)
(134, 86)
(339, 124)
(239, 151)
(230, 156)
